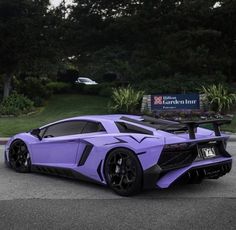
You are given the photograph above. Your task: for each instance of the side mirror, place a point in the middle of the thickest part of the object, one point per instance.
(36, 133)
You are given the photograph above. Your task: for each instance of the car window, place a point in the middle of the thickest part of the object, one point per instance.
(92, 127)
(84, 80)
(130, 128)
(65, 128)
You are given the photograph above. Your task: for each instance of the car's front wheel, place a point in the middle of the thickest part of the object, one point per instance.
(123, 172)
(19, 157)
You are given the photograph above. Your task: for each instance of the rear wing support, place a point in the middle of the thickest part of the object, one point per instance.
(215, 123)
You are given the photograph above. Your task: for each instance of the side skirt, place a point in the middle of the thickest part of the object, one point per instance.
(62, 172)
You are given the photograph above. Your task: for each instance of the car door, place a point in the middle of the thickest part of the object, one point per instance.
(59, 144)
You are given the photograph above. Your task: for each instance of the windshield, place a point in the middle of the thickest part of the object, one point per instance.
(83, 80)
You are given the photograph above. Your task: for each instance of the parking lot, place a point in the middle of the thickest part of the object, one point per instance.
(34, 201)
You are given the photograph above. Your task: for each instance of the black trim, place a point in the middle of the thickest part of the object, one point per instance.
(62, 172)
(141, 153)
(142, 138)
(85, 154)
(168, 127)
(150, 176)
(122, 141)
(177, 158)
(125, 127)
(99, 171)
(210, 171)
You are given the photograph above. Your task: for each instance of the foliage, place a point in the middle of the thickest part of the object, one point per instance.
(150, 44)
(59, 87)
(219, 97)
(125, 100)
(16, 104)
(28, 39)
(154, 40)
(186, 83)
(68, 76)
(35, 88)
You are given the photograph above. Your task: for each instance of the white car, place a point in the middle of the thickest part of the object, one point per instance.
(85, 81)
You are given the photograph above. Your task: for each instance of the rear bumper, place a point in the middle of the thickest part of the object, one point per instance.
(156, 177)
(211, 169)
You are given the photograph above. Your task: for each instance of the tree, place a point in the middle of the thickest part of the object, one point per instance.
(28, 38)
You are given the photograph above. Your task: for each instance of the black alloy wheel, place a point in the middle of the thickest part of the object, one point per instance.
(19, 158)
(123, 172)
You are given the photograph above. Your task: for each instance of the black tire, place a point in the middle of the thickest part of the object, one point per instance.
(19, 157)
(6, 161)
(123, 172)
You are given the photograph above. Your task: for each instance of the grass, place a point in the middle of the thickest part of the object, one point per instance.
(231, 127)
(58, 107)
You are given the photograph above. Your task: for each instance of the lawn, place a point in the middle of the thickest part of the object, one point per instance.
(231, 127)
(58, 107)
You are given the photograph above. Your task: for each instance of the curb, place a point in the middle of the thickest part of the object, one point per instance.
(3, 142)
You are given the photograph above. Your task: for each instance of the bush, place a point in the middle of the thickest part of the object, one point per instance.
(34, 88)
(59, 87)
(68, 76)
(92, 89)
(106, 91)
(219, 97)
(16, 104)
(178, 83)
(125, 100)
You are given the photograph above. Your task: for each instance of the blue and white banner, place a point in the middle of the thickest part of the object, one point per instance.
(188, 101)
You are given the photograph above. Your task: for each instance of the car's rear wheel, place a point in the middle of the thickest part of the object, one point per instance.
(123, 172)
(19, 157)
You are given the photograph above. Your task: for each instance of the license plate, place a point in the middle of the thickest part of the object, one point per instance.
(208, 152)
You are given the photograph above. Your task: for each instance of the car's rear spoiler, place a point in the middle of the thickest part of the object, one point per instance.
(215, 123)
(173, 126)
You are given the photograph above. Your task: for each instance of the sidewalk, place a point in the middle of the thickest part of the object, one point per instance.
(3, 140)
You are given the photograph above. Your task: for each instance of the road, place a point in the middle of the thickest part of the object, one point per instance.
(34, 201)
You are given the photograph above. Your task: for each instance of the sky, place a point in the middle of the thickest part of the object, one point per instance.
(57, 2)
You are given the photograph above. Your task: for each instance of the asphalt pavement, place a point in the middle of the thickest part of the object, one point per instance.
(35, 201)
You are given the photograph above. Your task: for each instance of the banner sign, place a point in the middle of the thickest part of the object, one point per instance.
(188, 101)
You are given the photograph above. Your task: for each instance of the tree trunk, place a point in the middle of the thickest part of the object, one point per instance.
(7, 85)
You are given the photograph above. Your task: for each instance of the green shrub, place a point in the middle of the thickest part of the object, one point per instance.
(92, 89)
(178, 83)
(16, 104)
(106, 91)
(219, 97)
(79, 88)
(125, 100)
(59, 87)
(33, 88)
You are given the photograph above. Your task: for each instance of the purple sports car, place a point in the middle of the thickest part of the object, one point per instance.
(126, 152)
